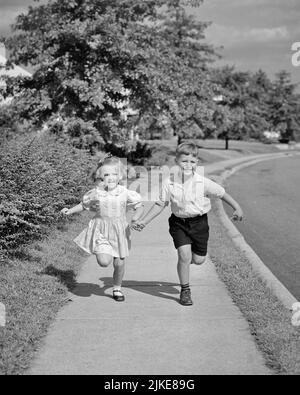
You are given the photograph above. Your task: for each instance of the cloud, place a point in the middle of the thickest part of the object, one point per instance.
(232, 36)
(252, 3)
(7, 18)
(268, 34)
(10, 9)
(16, 3)
(250, 13)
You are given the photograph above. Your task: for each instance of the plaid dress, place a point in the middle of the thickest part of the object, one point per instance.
(108, 232)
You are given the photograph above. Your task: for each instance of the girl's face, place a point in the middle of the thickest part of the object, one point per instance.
(187, 164)
(110, 176)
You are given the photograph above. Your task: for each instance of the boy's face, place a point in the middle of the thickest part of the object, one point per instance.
(187, 163)
(110, 176)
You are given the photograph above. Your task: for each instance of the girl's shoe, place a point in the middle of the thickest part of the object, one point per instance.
(118, 295)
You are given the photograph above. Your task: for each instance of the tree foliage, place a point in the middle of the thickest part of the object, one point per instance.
(97, 59)
(252, 104)
(105, 68)
(284, 106)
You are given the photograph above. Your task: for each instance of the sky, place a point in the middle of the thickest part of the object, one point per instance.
(255, 34)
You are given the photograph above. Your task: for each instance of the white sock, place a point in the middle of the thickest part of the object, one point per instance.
(117, 288)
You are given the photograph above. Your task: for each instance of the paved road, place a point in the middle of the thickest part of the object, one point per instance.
(270, 195)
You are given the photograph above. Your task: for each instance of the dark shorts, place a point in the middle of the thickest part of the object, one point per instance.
(194, 231)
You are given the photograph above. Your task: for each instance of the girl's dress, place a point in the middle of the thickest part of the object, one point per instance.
(108, 232)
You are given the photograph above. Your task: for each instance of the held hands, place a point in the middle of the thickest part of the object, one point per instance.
(238, 215)
(137, 225)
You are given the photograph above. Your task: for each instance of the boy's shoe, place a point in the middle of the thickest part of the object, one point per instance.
(118, 296)
(185, 297)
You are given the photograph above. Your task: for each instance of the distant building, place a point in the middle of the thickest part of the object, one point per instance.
(16, 71)
(219, 99)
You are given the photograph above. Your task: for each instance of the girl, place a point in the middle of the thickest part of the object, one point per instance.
(108, 233)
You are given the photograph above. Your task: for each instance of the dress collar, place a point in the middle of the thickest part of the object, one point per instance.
(115, 192)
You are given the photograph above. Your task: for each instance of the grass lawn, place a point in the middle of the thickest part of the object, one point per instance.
(210, 151)
(33, 287)
(244, 147)
(269, 320)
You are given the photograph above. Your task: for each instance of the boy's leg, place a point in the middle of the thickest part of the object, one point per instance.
(183, 269)
(198, 259)
(184, 261)
(119, 271)
(182, 242)
(199, 234)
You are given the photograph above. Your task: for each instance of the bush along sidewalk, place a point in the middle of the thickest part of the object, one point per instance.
(38, 176)
(38, 262)
(269, 320)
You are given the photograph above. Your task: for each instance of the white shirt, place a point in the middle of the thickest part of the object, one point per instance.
(191, 198)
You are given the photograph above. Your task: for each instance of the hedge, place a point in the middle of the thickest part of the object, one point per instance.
(38, 176)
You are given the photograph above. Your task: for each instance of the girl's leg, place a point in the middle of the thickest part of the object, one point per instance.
(104, 260)
(119, 271)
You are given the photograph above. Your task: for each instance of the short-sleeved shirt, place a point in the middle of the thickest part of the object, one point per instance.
(112, 204)
(191, 198)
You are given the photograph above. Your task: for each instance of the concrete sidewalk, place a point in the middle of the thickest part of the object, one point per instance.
(150, 333)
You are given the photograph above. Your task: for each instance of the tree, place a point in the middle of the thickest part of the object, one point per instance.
(96, 59)
(190, 98)
(284, 106)
(245, 97)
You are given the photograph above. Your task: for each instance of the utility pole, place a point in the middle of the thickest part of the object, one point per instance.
(220, 100)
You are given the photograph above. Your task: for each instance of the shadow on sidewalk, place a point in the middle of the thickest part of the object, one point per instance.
(158, 289)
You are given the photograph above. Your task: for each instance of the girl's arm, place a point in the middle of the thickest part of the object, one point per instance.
(238, 212)
(73, 210)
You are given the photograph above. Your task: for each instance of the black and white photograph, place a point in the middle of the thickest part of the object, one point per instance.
(149, 190)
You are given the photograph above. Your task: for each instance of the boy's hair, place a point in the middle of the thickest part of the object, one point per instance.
(108, 160)
(187, 149)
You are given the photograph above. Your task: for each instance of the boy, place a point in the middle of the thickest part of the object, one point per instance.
(187, 192)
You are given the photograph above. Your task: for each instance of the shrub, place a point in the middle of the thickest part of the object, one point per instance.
(10, 123)
(161, 156)
(136, 152)
(38, 176)
(81, 134)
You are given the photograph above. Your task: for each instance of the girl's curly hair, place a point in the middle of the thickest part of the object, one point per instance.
(108, 159)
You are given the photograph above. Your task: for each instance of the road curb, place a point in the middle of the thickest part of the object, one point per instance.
(272, 282)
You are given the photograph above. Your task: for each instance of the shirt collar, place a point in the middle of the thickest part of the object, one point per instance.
(195, 178)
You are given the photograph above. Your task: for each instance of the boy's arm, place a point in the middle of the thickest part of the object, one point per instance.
(157, 207)
(139, 211)
(154, 211)
(73, 210)
(238, 212)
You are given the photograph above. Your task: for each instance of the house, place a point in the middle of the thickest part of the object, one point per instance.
(16, 71)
